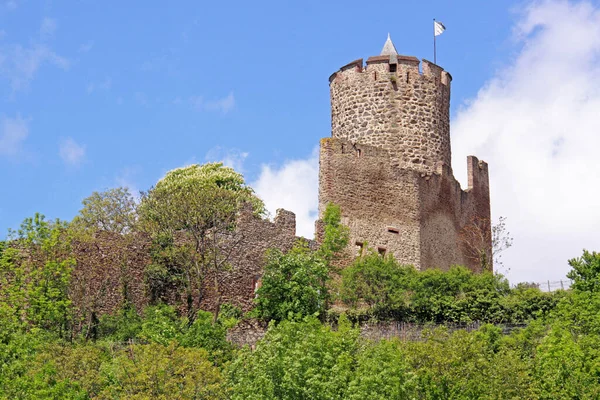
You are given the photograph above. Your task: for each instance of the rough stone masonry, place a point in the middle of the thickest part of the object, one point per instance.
(388, 164)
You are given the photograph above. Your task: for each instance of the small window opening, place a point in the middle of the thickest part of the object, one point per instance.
(256, 283)
(358, 152)
(391, 229)
(381, 251)
(359, 248)
(407, 77)
(393, 67)
(375, 75)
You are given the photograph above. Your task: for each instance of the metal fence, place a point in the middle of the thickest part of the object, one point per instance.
(408, 331)
(548, 286)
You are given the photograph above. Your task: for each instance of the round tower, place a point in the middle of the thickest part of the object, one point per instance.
(390, 104)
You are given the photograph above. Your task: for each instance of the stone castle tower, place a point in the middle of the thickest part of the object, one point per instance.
(388, 163)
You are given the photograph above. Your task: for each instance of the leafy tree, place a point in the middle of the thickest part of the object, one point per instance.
(464, 365)
(297, 360)
(335, 235)
(155, 371)
(379, 282)
(485, 242)
(382, 372)
(113, 210)
(501, 241)
(195, 209)
(293, 284)
(35, 273)
(585, 272)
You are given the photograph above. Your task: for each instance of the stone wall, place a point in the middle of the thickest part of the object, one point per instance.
(111, 269)
(238, 284)
(404, 111)
(379, 203)
(418, 217)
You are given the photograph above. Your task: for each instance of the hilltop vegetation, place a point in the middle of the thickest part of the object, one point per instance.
(57, 339)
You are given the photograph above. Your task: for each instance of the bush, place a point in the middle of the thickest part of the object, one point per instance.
(293, 285)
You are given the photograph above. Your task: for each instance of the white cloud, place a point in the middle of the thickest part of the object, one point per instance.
(71, 152)
(233, 158)
(102, 86)
(293, 186)
(86, 47)
(126, 178)
(13, 132)
(537, 124)
(48, 27)
(223, 105)
(11, 4)
(19, 64)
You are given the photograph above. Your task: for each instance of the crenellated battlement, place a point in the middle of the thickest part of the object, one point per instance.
(402, 67)
(395, 102)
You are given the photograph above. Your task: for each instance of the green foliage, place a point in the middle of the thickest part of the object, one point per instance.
(377, 281)
(336, 235)
(35, 273)
(155, 371)
(293, 285)
(191, 215)
(392, 291)
(466, 365)
(585, 272)
(126, 324)
(113, 210)
(196, 197)
(382, 372)
(296, 360)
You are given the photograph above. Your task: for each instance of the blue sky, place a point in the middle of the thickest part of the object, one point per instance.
(96, 95)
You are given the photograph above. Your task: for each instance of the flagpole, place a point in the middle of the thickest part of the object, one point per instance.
(434, 49)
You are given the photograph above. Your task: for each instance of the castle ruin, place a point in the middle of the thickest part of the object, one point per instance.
(388, 164)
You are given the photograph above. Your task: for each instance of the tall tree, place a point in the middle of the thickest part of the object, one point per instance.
(113, 210)
(194, 209)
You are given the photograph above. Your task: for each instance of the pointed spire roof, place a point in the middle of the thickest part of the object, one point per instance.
(388, 48)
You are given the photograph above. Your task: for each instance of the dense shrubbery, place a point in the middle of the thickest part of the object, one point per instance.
(378, 287)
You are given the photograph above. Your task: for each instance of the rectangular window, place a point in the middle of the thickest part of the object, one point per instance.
(359, 248)
(391, 229)
(381, 251)
(393, 67)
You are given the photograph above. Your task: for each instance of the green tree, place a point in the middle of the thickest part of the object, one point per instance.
(297, 360)
(35, 273)
(335, 234)
(293, 285)
(379, 282)
(585, 272)
(113, 210)
(195, 208)
(382, 373)
(154, 371)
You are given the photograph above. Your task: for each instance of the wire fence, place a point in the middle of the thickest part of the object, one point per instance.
(408, 331)
(548, 286)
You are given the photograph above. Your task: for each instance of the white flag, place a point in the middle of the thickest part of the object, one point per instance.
(438, 28)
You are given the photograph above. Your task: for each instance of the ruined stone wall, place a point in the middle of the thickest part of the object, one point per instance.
(404, 111)
(418, 217)
(111, 269)
(237, 285)
(446, 210)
